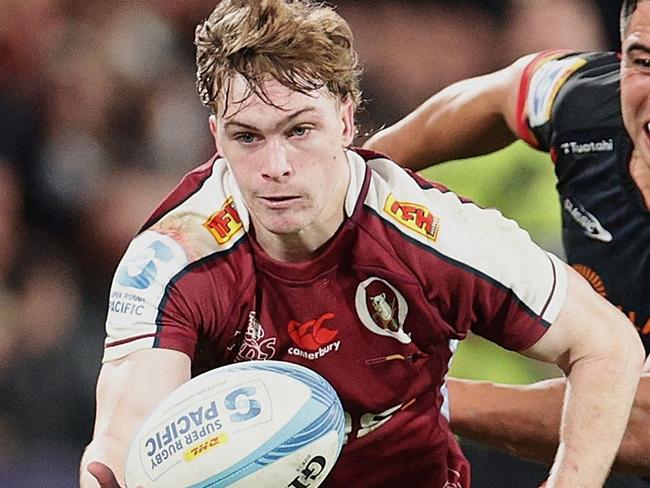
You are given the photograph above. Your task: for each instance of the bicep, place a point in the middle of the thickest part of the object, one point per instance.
(470, 117)
(130, 388)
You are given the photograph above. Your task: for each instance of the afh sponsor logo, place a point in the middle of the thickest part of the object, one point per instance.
(382, 309)
(313, 338)
(414, 216)
(573, 147)
(141, 270)
(590, 224)
(225, 223)
(255, 345)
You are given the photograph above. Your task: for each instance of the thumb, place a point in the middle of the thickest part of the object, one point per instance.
(103, 474)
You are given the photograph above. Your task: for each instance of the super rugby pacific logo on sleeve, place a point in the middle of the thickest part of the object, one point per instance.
(149, 263)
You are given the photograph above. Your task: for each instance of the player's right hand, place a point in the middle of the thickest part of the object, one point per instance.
(104, 475)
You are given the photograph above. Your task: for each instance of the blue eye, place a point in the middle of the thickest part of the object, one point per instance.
(300, 131)
(246, 138)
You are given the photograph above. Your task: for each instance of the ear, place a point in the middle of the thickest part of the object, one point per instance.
(347, 115)
(212, 122)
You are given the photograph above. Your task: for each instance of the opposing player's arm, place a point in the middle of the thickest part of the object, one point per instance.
(602, 355)
(509, 416)
(468, 118)
(127, 391)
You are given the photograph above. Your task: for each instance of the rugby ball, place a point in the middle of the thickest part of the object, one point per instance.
(252, 424)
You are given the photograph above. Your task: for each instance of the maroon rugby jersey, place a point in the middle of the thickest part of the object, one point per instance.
(377, 312)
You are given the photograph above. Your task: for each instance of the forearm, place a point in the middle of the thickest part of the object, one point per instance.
(525, 420)
(126, 395)
(598, 398)
(634, 454)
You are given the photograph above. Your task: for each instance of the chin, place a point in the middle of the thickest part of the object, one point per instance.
(282, 227)
(288, 222)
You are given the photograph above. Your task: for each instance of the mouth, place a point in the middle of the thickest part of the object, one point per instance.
(278, 202)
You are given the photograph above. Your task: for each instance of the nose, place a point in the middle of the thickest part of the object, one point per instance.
(276, 164)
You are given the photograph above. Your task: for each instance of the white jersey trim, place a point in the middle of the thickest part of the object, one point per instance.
(480, 239)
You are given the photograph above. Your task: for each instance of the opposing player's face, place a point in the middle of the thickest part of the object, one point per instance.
(289, 159)
(635, 80)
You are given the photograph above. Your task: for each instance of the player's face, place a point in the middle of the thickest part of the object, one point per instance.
(635, 80)
(288, 160)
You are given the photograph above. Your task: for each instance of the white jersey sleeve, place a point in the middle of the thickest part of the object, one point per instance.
(139, 285)
(493, 257)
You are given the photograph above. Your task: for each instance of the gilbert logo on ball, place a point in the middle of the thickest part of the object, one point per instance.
(255, 424)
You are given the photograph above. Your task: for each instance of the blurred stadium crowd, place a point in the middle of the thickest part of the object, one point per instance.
(98, 120)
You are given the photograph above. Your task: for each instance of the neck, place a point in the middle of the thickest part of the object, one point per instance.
(299, 246)
(640, 172)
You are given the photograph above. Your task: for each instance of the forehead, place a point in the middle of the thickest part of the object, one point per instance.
(243, 102)
(639, 24)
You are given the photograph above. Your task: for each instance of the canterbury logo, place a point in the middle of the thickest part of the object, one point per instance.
(312, 335)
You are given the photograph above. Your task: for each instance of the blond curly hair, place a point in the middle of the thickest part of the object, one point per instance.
(303, 45)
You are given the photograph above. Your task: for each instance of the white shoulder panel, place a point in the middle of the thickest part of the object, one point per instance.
(215, 210)
(148, 265)
(479, 239)
(210, 220)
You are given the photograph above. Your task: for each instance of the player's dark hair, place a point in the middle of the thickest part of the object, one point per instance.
(627, 9)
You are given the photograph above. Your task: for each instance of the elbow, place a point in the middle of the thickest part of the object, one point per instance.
(634, 348)
(626, 352)
(620, 347)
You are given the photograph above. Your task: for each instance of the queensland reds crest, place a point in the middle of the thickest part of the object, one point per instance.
(255, 345)
(382, 309)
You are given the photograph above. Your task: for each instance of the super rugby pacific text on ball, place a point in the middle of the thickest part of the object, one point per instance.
(253, 424)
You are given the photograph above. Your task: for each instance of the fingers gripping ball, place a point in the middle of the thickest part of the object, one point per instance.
(259, 423)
